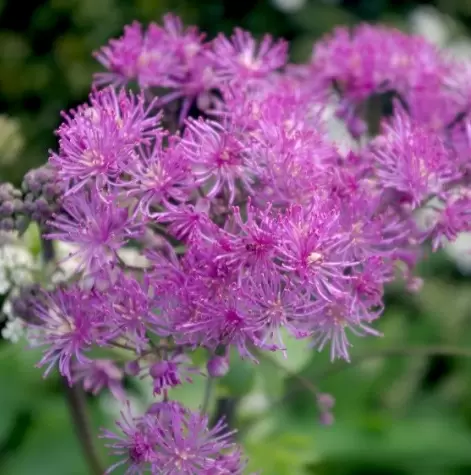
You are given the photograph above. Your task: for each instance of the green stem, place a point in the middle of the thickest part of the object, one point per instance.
(208, 390)
(79, 414)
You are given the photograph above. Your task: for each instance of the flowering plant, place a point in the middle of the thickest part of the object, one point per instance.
(245, 220)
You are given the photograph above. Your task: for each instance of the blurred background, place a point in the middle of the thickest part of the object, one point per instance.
(397, 412)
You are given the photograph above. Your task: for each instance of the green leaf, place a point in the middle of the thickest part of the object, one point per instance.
(50, 448)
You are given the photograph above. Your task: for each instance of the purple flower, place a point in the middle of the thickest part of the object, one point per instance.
(276, 304)
(240, 58)
(412, 160)
(311, 246)
(135, 444)
(221, 322)
(98, 227)
(187, 222)
(98, 374)
(170, 372)
(217, 157)
(253, 245)
(158, 175)
(66, 327)
(97, 141)
(171, 440)
(185, 444)
(330, 327)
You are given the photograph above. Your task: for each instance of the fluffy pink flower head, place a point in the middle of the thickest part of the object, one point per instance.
(98, 229)
(253, 242)
(97, 374)
(66, 326)
(97, 141)
(412, 160)
(240, 58)
(217, 157)
(134, 444)
(311, 248)
(374, 59)
(330, 326)
(186, 444)
(154, 57)
(159, 175)
(275, 303)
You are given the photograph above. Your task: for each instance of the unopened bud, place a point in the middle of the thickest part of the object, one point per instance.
(217, 366)
(132, 368)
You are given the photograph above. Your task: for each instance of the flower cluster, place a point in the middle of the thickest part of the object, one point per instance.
(248, 219)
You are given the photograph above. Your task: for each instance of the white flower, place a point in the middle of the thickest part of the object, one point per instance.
(16, 266)
(13, 330)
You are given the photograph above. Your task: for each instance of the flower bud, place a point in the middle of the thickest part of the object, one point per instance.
(11, 208)
(217, 366)
(132, 368)
(42, 193)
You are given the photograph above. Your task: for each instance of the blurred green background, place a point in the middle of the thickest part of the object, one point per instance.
(395, 415)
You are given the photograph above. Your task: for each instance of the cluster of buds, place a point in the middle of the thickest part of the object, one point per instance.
(11, 208)
(42, 194)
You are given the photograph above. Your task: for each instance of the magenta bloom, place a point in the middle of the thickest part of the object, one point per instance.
(158, 175)
(97, 227)
(135, 444)
(412, 160)
(170, 372)
(223, 322)
(187, 222)
(186, 445)
(330, 327)
(240, 58)
(67, 327)
(275, 303)
(253, 245)
(217, 157)
(311, 249)
(97, 141)
(172, 440)
(99, 374)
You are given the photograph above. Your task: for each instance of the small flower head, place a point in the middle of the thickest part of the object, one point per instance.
(99, 374)
(186, 444)
(412, 160)
(66, 327)
(97, 141)
(99, 228)
(217, 157)
(135, 443)
(240, 58)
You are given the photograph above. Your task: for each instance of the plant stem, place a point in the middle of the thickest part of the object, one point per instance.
(79, 414)
(208, 389)
(76, 400)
